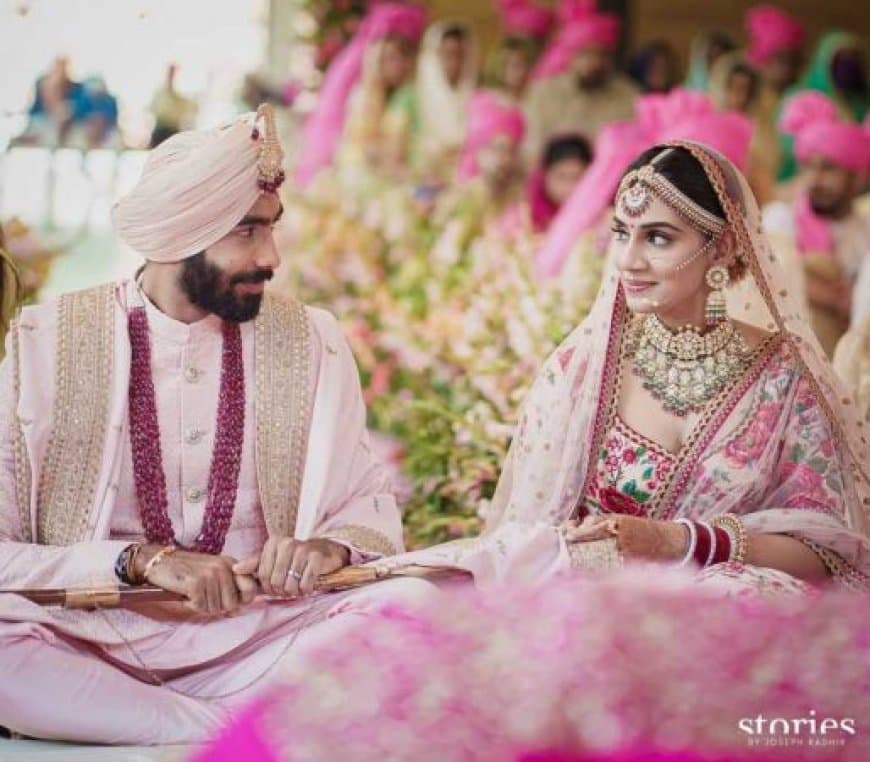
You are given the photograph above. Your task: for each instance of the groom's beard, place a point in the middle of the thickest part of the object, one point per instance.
(208, 287)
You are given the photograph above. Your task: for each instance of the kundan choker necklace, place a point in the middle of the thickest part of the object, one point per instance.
(148, 471)
(685, 369)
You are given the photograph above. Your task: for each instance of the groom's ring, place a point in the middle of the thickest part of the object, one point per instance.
(296, 575)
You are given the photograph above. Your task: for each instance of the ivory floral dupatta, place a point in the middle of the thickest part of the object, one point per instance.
(783, 448)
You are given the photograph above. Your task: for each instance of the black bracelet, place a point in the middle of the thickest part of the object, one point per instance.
(122, 562)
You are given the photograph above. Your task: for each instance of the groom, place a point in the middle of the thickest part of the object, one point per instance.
(187, 430)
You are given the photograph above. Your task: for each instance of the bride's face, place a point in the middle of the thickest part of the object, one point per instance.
(648, 250)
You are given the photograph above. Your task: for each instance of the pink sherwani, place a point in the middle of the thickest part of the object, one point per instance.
(110, 661)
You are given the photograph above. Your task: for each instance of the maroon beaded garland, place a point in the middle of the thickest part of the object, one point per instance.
(148, 474)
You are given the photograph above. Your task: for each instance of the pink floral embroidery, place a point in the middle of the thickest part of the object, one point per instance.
(565, 358)
(804, 399)
(806, 486)
(578, 377)
(748, 446)
(802, 476)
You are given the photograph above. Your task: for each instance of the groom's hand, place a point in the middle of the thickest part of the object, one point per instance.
(288, 567)
(206, 580)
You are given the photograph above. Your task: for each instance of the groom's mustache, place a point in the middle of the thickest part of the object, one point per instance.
(258, 276)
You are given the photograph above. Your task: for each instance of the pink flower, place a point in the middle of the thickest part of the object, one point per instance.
(380, 381)
(628, 456)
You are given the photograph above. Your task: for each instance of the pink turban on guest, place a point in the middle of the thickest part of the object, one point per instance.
(526, 18)
(583, 27)
(771, 30)
(678, 115)
(812, 119)
(570, 11)
(323, 129)
(194, 189)
(488, 116)
(691, 115)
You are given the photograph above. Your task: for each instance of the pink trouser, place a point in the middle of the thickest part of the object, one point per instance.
(51, 687)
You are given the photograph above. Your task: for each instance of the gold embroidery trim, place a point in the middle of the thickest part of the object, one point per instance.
(363, 539)
(19, 453)
(839, 568)
(609, 391)
(595, 555)
(283, 408)
(83, 376)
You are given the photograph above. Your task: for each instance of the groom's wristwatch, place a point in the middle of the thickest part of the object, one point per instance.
(125, 565)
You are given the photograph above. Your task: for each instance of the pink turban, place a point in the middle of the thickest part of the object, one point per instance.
(678, 115)
(323, 129)
(812, 119)
(487, 117)
(690, 115)
(771, 30)
(194, 189)
(585, 28)
(524, 17)
(570, 11)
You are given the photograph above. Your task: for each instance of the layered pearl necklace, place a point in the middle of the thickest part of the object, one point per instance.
(148, 471)
(685, 369)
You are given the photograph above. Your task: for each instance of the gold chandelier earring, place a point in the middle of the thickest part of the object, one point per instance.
(717, 279)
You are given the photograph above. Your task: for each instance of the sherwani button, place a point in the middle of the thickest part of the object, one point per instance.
(193, 435)
(194, 494)
(192, 374)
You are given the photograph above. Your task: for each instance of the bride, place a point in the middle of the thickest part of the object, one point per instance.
(663, 430)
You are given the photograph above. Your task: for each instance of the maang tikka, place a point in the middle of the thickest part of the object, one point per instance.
(640, 185)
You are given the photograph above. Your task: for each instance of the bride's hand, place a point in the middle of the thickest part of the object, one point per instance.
(591, 528)
(635, 537)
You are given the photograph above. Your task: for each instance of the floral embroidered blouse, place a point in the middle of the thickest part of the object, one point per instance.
(629, 470)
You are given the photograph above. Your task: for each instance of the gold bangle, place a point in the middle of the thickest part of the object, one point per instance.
(739, 540)
(158, 558)
(130, 571)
